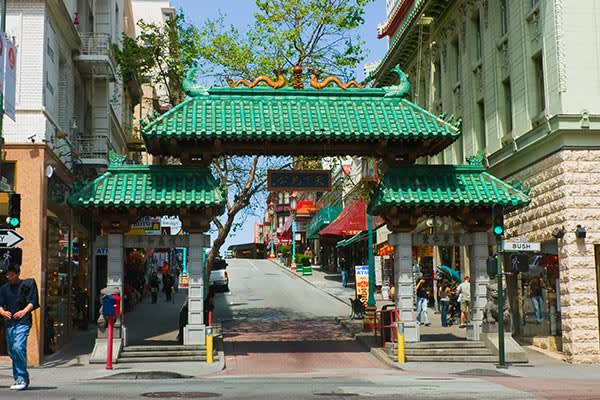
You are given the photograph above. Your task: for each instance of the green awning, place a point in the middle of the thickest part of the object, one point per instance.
(163, 187)
(444, 186)
(353, 239)
(321, 219)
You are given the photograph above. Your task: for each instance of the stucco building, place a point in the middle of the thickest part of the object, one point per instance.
(524, 78)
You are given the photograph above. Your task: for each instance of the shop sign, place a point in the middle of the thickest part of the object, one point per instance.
(173, 223)
(9, 237)
(378, 272)
(102, 251)
(441, 239)
(299, 180)
(361, 277)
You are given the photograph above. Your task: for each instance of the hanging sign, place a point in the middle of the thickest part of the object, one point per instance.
(10, 76)
(297, 180)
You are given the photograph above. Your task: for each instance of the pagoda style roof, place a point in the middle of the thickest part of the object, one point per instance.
(155, 188)
(253, 119)
(466, 192)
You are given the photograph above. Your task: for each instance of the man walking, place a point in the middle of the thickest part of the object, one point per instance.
(344, 271)
(464, 291)
(18, 298)
(536, 286)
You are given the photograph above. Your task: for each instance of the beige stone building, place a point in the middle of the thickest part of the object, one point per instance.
(524, 77)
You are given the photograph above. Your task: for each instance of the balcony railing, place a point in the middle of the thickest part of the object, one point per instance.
(97, 55)
(93, 149)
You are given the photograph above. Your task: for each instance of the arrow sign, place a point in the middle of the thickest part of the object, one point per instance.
(8, 238)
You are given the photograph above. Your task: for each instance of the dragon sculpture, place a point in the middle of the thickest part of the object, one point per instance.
(279, 83)
(400, 90)
(314, 81)
(190, 87)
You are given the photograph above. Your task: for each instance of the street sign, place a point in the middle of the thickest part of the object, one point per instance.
(8, 238)
(521, 246)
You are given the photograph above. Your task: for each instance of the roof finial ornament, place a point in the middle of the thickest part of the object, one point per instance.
(314, 81)
(400, 90)
(189, 85)
(476, 159)
(115, 159)
(297, 77)
(279, 83)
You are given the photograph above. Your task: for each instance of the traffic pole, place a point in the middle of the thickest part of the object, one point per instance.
(499, 251)
(209, 345)
(109, 343)
(401, 356)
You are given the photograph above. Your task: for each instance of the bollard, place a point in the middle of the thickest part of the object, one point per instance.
(109, 342)
(209, 345)
(400, 333)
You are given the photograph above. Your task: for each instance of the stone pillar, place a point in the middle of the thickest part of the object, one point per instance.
(405, 294)
(479, 281)
(194, 332)
(114, 279)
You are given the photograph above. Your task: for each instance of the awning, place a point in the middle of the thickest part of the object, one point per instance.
(352, 220)
(353, 239)
(322, 218)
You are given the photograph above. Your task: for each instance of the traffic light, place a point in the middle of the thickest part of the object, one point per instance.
(14, 210)
(10, 256)
(498, 220)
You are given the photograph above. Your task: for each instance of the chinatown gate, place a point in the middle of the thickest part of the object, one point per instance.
(281, 118)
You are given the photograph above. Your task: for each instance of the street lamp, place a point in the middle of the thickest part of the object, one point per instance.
(293, 205)
(272, 220)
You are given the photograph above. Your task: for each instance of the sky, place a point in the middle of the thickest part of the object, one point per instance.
(240, 14)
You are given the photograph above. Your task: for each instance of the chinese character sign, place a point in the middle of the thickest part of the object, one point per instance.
(299, 180)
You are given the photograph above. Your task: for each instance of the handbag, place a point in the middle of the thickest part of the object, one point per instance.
(459, 299)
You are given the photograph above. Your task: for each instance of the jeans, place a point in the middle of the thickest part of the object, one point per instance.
(344, 278)
(422, 317)
(537, 306)
(444, 306)
(16, 340)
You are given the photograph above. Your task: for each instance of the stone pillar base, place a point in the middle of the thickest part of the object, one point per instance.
(98, 355)
(194, 334)
(412, 332)
(513, 352)
(474, 330)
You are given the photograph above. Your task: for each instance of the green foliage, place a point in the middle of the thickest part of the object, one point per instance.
(301, 259)
(161, 54)
(317, 34)
(284, 249)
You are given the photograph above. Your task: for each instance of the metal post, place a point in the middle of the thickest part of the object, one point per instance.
(2, 29)
(294, 242)
(499, 251)
(209, 345)
(109, 342)
(401, 351)
(371, 299)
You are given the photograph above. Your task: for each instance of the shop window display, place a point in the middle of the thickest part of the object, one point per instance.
(540, 296)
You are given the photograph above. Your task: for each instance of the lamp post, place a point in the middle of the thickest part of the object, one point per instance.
(293, 205)
(272, 230)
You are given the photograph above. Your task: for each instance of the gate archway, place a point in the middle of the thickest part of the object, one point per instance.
(321, 120)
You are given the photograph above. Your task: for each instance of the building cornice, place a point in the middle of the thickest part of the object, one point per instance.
(397, 15)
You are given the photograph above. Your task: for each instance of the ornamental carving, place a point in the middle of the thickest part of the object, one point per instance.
(275, 84)
(315, 83)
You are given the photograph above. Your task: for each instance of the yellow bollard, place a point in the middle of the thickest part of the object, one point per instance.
(400, 337)
(209, 345)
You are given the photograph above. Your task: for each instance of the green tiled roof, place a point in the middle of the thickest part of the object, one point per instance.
(444, 186)
(322, 218)
(287, 116)
(151, 186)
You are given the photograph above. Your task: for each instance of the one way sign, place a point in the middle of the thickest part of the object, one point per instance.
(8, 238)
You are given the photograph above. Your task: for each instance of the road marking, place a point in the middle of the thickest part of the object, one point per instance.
(252, 265)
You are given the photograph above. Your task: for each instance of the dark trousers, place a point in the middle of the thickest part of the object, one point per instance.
(444, 306)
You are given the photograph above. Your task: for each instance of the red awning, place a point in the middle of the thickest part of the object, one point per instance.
(352, 220)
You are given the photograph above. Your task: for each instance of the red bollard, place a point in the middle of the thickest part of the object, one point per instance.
(210, 318)
(109, 344)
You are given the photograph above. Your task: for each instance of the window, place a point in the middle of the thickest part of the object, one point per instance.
(508, 126)
(503, 18)
(8, 173)
(481, 134)
(478, 44)
(540, 96)
(456, 59)
(437, 82)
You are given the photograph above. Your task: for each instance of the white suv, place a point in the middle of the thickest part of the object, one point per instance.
(219, 279)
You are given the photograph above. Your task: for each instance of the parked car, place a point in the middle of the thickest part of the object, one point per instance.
(219, 278)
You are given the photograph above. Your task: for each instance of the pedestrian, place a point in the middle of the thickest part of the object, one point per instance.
(308, 253)
(176, 279)
(18, 298)
(344, 271)
(209, 306)
(154, 283)
(536, 285)
(464, 296)
(168, 286)
(422, 301)
(444, 297)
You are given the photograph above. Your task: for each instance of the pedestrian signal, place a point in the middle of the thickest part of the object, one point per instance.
(10, 256)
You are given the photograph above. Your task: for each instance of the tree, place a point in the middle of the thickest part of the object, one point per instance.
(311, 33)
(316, 34)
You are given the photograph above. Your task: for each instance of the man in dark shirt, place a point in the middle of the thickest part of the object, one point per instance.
(18, 299)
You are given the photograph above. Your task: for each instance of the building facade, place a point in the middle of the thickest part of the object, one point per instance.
(528, 95)
(72, 108)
